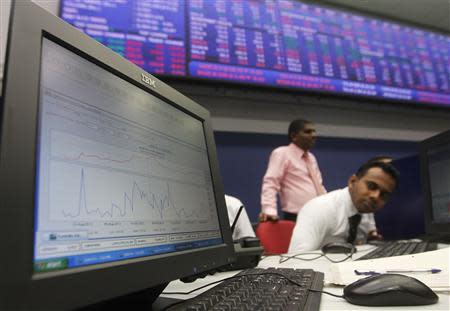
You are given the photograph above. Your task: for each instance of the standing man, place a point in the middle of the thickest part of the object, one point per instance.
(293, 173)
(335, 217)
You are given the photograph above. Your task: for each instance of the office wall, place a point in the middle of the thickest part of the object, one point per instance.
(249, 109)
(5, 6)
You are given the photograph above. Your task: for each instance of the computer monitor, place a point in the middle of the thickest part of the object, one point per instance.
(109, 178)
(435, 171)
(407, 199)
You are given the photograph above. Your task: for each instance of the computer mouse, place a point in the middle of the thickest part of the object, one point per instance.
(339, 247)
(389, 290)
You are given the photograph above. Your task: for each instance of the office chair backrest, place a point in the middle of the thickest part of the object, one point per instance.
(275, 236)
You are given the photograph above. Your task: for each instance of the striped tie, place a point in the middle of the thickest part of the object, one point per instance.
(313, 175)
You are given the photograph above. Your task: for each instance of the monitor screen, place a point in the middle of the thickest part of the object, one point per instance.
(120, 172)
(109, 178)
(286, 44)
(435, 160)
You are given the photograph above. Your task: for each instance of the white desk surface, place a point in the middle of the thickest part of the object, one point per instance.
(322, 265)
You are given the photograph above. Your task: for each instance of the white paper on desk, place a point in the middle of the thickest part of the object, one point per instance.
(344, 273)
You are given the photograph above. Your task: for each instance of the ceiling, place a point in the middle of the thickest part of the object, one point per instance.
(428, 13)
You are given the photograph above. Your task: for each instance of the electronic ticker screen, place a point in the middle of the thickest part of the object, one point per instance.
(282, 43)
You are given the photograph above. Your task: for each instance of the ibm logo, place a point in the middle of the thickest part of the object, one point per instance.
(147, 80)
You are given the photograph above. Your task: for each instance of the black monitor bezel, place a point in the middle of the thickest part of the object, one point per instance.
(20, 286)
(432, 228)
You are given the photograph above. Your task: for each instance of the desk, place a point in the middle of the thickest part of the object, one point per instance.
(322, 265)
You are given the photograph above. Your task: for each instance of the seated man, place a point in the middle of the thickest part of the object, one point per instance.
(326, 218)
(243, 226)
(367, 229)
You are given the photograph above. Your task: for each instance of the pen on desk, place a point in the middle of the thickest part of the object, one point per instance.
(414, 270)
(434, 270)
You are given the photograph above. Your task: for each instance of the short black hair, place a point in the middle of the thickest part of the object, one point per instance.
(296, 126)
(388, 168)
(380, 158)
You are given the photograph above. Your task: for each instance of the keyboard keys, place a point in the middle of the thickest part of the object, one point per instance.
(261, 290)
(398, 248)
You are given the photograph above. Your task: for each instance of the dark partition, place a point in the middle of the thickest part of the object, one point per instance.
(403, 215)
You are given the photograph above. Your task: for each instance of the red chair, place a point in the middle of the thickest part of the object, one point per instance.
(275, 236)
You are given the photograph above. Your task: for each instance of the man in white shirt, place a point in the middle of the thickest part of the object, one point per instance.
(243, 225)
(325, 219)
(367, 229)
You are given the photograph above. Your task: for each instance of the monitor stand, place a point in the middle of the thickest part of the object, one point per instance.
(144, 300)
(163, 302)
(435, 238)
(440, 238)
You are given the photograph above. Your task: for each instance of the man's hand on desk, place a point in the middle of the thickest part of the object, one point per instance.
(374, 235)
(265, 217)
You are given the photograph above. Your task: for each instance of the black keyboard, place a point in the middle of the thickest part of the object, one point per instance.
(258, 289)
(398, 248)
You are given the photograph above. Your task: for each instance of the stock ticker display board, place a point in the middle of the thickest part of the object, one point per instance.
(277, 43)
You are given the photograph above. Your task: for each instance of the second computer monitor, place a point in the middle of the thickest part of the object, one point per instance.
(435, 171)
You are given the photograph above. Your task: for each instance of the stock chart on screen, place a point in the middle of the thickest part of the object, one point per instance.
(121, 173)
(284, 43)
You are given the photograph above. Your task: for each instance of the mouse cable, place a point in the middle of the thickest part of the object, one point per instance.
(284, 258)
(325, 292)
(337, 261)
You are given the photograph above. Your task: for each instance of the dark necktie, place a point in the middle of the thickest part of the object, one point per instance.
(353, 222)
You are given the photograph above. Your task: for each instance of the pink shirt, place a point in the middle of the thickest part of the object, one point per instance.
(288, 175)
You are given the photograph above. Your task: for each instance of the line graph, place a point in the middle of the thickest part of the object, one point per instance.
(91, 181)
(89, 153)
(93, 194)
(82, 155)
(162, 204)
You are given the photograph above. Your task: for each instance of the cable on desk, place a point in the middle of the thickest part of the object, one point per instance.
(324, 292)
(284, 258)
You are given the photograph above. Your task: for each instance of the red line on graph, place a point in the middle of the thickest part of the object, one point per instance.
(98, 157)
